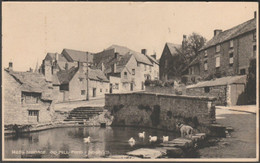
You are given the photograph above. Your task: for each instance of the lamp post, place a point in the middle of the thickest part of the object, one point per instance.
(87, 98)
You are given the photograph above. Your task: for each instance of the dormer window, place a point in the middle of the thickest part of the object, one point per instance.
(231, 43)
(217, 48)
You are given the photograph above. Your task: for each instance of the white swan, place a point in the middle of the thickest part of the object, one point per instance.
(87, 140)
(153, 138)
(141, 134)
(165, 138)
(131, 140)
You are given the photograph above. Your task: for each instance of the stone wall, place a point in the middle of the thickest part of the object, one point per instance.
(220, 92)
(160, 111)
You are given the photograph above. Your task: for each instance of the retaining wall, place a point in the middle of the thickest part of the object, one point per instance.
(160, 111)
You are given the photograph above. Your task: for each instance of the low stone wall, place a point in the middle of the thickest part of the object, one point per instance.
(220, 92)
(160, 110)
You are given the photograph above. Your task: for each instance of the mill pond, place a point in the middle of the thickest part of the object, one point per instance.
(69, 142)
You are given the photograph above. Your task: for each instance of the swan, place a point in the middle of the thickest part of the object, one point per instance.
(131, 140)
(153, 138)
(165, 138)
(141, 134)
(87, 140)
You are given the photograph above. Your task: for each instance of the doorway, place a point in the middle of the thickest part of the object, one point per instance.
(131, 86)
(94, 92)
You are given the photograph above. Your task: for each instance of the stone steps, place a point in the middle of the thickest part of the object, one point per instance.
(172, 149)
(83, 113)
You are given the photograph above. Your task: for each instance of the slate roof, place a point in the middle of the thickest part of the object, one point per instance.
(65, 76)
(76, 55)
(51, 57)
(122, 50)
(229, 34)
(96, 74)
(220, 81)
(33, 82)
(172, 47)
(152, 59)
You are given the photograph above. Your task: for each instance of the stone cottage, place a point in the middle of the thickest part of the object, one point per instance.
(72, 84)
(27, 98)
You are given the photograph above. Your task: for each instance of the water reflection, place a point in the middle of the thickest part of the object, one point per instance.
(69, 142)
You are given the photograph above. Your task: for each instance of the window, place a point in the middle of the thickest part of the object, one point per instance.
(33, 115)
(242, 71)
(133, 71)
(254, 48)
(205, 54)
(254, 36)
(231, 43)
(100, 89)
(217, 48)
(116, 86)
(217, 61)
(125, 74)
(83, 92)
(206, 89)
(30, 97)
(205, 65)
(231, 59)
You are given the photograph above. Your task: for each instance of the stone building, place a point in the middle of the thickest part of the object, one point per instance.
(229, 52)
(126, 69)
(27, 98)
(228, 90)
(73, 84)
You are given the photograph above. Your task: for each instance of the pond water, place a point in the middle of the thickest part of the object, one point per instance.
(69, 142)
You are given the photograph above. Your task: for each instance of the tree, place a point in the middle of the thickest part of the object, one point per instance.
(186, 53)
(251, 83)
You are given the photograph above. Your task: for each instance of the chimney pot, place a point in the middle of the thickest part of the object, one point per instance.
(10, 67)
(217, 31)
(143, 51)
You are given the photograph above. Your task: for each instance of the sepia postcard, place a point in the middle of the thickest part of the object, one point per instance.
(130, 81)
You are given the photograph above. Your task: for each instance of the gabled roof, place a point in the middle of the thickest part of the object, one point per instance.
(76, 55)
(32, 82)
(152, 59)
(172, 47)
(52, 56)
(220, 81)
(96, 74)
(229, 34)
(122, 50)
(65, 76)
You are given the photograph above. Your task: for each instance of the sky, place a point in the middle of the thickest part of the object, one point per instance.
(32, 29)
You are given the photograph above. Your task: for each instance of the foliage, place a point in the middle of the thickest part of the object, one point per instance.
(159, 83)
(251, 83)
(186, 54)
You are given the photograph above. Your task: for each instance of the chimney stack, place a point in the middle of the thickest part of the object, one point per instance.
(184, 42)
(143, 51)
(255, 15)
(217, 31)
(10, 67)
(154, 56)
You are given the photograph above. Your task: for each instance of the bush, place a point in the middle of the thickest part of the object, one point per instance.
(147, 82)
(169, 84)
(251, 83)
